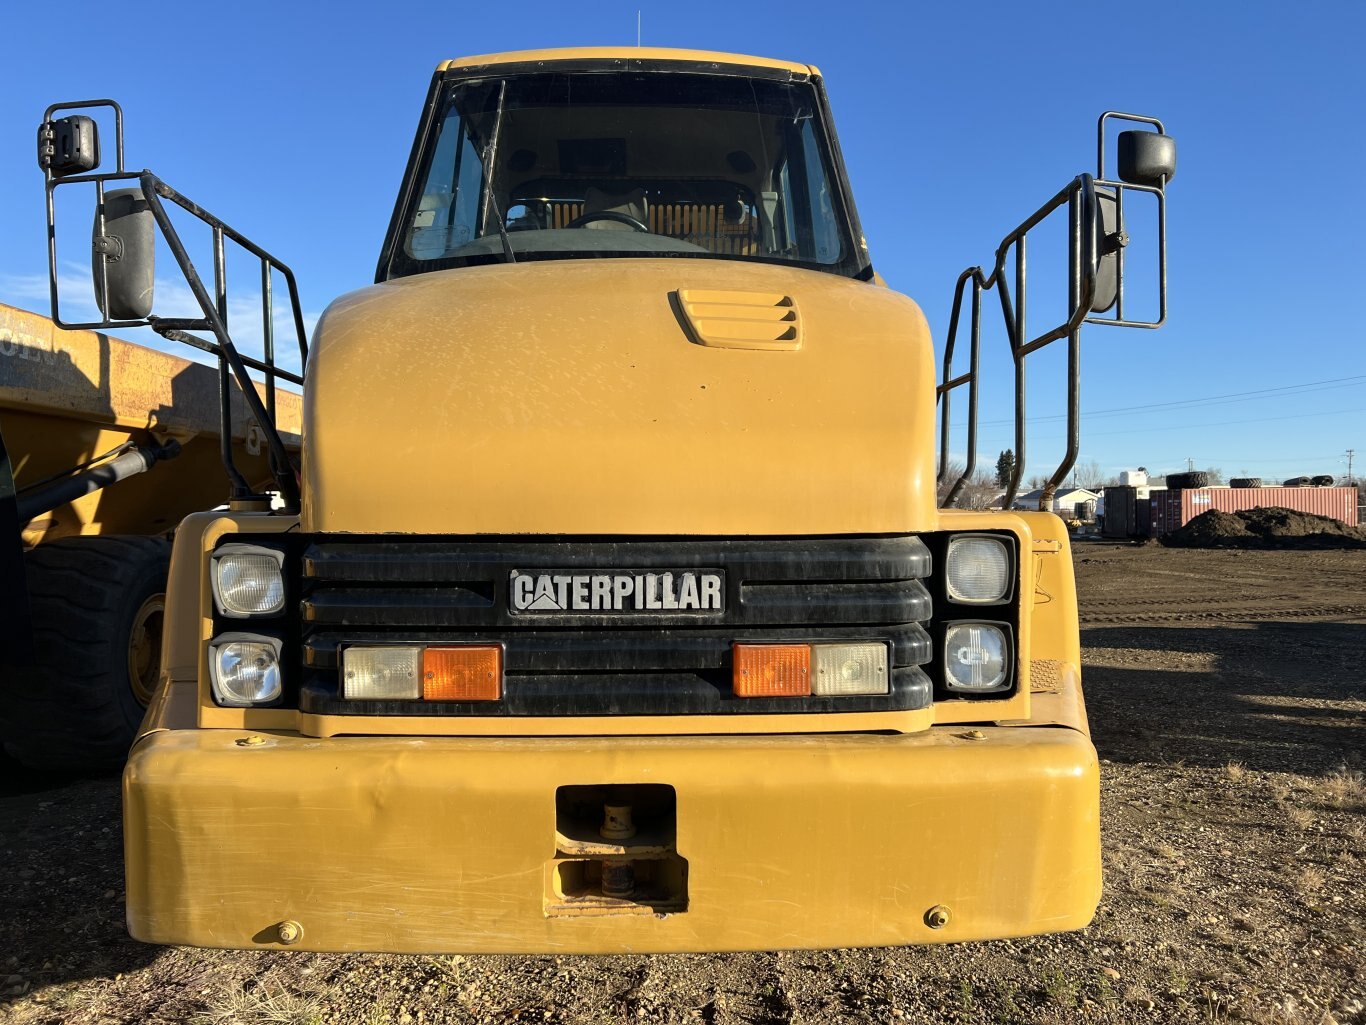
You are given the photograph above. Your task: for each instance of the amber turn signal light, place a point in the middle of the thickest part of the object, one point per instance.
(466, 673)
(771, 670)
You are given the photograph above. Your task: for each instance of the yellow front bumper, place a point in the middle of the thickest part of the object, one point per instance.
(445, 844)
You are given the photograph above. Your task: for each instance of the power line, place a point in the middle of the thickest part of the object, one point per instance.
(1221, 423)
(1308, 387)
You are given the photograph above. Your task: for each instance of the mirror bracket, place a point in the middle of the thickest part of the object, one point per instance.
(108, 246)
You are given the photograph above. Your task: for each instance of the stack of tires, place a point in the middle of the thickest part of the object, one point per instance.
(1245, 482)
(1193, 479)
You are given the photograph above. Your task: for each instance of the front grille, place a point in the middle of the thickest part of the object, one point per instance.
(378, 590)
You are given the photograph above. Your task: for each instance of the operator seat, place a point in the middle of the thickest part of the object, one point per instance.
(632, 204)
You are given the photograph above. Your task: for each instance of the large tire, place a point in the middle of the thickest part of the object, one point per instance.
(1245, 482)
(1297, 482)
(1192, 479)
(1322, 480)
(98, 605)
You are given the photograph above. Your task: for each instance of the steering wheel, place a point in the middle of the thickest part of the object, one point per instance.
(608, 215)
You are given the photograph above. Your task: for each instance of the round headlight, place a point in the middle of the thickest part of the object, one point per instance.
(245, 670)
(248, 581)
(978, 569)
(976, 657)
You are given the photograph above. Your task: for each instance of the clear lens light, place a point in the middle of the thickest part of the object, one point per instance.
(850, 669)
(246, 673)
(250, 584)
(975, 656)
(978, 569)
(382, 673)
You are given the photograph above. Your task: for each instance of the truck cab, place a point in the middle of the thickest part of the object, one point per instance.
(616, 611)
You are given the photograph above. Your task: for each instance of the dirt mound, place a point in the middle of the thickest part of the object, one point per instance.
(1270, 527)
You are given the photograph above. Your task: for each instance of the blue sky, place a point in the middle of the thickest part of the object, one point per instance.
(293, 122)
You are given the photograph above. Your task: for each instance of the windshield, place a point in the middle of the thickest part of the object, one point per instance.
(644, 164)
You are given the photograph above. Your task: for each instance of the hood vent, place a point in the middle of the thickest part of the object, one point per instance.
(741, 320)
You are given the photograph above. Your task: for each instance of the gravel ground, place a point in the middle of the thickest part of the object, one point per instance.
(1227, 697)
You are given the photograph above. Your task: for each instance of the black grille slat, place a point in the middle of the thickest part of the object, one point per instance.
(444, 561)
(899, 601)
(428, 606)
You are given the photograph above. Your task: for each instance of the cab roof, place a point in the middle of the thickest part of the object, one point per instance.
(650, 53)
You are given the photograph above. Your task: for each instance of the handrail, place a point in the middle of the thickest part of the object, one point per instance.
(1087, 245)
(213, 307)
(1080, 196)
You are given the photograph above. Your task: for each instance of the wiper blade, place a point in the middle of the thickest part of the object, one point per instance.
(488, 158)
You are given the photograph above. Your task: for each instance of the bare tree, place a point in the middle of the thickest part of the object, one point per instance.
(952, 472)
(978, 492)
(1087, 475)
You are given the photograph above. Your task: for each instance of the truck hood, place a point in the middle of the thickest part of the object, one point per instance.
(620, 397)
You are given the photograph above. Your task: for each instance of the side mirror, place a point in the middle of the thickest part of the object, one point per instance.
(1110, 239)
(124, 256)
(69, 145)
(1146, 158)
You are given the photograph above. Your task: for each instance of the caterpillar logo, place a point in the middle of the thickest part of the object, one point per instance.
(676, 591)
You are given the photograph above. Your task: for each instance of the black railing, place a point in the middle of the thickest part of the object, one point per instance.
(1087, 244)
(232, 365)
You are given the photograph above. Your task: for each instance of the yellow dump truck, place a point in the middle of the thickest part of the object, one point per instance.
(85, 527)
(611, 608)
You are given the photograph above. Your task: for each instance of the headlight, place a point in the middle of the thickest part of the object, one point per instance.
(245, 670)
(978, 569)
(248, 581)
(976, 657)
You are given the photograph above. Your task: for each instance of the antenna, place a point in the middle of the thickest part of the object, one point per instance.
(637, 28)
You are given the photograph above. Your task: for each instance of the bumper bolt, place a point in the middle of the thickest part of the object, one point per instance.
(252, 741)
(937, 917)
(290, 932)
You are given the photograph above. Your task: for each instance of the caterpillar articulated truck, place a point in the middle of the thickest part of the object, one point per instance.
(610, 606)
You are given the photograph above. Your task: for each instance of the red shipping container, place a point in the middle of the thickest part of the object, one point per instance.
(1173, 509)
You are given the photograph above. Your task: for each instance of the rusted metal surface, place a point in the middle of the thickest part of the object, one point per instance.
(1173, 509)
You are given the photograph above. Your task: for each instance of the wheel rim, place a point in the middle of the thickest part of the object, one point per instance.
(144, 648)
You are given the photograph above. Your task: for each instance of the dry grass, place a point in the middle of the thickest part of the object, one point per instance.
(261, 1007)
(1301, 818)
(1234, 772)
(1310, 879)
(1341, 788)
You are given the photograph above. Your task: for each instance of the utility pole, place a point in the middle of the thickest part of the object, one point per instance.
(1190, 463)
(1351, 452)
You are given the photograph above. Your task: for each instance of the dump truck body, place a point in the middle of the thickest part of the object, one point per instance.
(68, 396)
